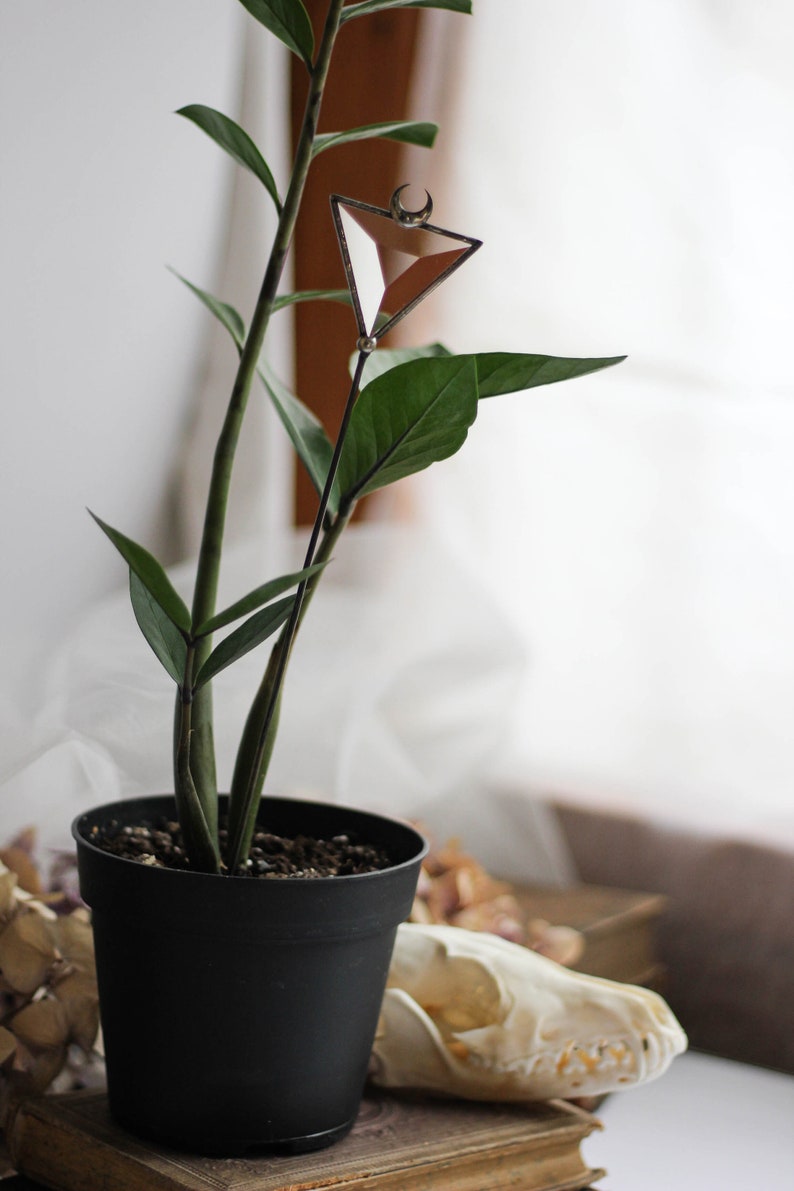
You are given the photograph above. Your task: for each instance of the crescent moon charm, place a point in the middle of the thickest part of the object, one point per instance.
(409, 218)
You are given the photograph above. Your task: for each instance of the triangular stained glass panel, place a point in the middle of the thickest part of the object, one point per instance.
(392, 265)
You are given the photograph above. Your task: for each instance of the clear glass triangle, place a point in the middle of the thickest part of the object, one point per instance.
(392, 264)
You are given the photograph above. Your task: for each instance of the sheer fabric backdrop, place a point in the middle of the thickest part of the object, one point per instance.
(118, 409)
(621, 561)
(630, 167)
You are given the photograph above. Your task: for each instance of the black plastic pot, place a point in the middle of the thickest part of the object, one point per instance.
(236, 1012)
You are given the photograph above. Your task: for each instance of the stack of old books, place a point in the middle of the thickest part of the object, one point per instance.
(399, 1143)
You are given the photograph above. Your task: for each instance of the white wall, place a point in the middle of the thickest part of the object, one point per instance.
(102, 188)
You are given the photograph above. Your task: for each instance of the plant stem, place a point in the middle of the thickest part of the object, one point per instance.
(200, 841)
(206, 586)
(259, 734)
(250, 770)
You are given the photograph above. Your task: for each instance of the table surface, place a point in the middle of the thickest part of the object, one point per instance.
(708, 1124)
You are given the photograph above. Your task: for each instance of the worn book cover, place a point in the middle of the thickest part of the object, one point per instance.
(617, 925)
(69, 1142)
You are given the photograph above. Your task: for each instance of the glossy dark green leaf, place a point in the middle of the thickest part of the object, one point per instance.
(307, 433)
(255, 599)
(406, 419)
(251, 633)
(163, 636)
(408, 132)
(313, 295)
(289, 21)
(369, 6)
(151, 574)
(508, 372)
(235, 141)
(224, 313)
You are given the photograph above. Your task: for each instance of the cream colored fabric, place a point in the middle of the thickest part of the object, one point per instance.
(629, 169)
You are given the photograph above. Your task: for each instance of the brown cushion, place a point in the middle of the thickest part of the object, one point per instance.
(727, 935)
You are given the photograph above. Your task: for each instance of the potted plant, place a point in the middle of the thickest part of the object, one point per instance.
(243, 942)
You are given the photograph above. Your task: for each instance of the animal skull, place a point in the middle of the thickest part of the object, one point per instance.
(470, 1014)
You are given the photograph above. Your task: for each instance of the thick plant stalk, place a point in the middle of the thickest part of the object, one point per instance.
(206, 586)
(259, 734)
(201, 842)
(261, 724)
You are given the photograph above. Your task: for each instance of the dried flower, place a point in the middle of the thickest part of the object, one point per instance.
(560, 943)
(455, 889)
(49, 1007)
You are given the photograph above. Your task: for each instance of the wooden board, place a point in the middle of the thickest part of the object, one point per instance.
(617, 924)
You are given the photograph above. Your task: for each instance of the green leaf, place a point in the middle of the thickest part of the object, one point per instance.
(225, 313)
(409, 132)
(313, 295)
(235, 141)
(307, 433)
(369, 6)
(497, 372)
(289, 21)
(507, 372)
(162, 635)
(385, 359)
(251, 633)
(151, 574)
(412, 416)
(255, 599)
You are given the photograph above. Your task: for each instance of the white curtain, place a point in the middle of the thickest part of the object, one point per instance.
(620, 548)
(117, 379)
(630, 167)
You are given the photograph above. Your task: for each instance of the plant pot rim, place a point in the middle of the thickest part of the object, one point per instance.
(96, 814)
